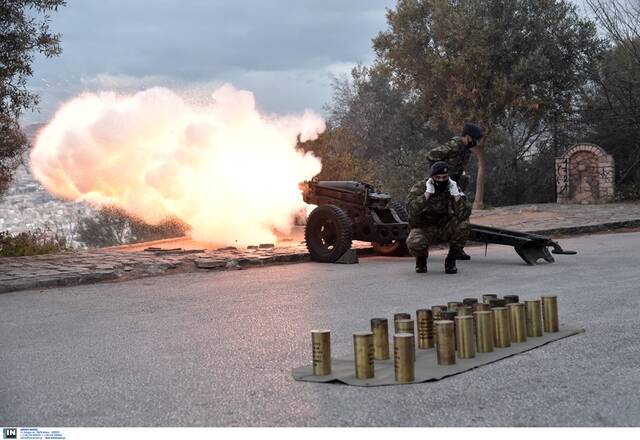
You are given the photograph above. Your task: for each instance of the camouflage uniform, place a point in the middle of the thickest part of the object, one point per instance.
(433, 221)
(456, 154)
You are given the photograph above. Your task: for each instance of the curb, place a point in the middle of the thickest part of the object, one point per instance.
(588, 229)
(124, 273)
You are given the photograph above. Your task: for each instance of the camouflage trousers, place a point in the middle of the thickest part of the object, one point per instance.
(464, 213)
(453, 231)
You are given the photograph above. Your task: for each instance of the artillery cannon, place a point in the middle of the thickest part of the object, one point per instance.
(350, 210)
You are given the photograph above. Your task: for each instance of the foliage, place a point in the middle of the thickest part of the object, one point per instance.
(30, 243)
(619, 19)
(525, 70)
(612, 106)
(24, 30)
(113, 226)
(628, 191)
(481, 60)
(375, 133)
(490, 61)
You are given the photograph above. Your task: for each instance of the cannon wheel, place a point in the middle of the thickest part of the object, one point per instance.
(328, 233)
(396, 248)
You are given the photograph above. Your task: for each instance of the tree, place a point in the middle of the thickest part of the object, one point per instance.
(112, 226)
(619, 19)
(24, 30)
(612, 110)
(376, 124)
(489, 60)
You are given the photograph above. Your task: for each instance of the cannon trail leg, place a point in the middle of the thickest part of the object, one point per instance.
(531, 253)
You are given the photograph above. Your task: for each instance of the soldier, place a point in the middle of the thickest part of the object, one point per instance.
(456, 153)
(435, 218)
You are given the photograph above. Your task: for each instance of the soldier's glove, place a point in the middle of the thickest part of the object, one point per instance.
(431, 189)
(452, 186)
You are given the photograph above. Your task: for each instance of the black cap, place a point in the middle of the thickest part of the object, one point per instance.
(439, 167)
(473, 130)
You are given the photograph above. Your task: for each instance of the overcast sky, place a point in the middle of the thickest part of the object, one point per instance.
(285, 51)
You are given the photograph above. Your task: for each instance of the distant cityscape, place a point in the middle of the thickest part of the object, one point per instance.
(26, 205)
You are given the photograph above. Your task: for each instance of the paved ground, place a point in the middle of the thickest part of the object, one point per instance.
(131, 262)
(217, 348)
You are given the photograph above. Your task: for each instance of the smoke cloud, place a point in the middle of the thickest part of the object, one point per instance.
(224, 168)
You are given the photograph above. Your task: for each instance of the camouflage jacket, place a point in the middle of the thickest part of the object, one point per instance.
(433, 212)
(455, 153)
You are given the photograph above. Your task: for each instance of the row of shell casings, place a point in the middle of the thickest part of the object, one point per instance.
(464, 327)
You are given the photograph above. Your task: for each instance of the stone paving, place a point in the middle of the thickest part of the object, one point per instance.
(559, 219)
(113, 264)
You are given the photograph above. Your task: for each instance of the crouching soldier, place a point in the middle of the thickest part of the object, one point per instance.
(434, 208)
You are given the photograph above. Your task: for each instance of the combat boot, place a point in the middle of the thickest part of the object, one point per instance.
(450, 265)
(421, 264)
(462, 255)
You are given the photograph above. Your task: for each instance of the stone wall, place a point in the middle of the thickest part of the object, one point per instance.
(585, 174)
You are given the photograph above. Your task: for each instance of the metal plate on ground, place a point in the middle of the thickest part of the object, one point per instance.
(426, 367)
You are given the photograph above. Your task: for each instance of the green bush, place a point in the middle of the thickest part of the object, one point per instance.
(113, 226)
(627, 191)
(36, 242)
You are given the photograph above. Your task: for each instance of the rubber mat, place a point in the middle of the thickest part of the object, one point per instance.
(426, 367)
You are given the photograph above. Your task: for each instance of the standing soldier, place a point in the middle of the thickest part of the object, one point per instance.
(434, 217)
(456, 153)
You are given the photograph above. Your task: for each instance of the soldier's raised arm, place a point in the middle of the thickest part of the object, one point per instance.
(445, 152)
(416, 201)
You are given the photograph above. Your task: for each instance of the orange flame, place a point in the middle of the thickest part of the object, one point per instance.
(228, 171)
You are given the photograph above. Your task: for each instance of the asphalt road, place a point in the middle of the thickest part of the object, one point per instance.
(217, 349)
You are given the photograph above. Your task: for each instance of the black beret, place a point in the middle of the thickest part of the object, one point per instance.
(473, 130)
(439, 167)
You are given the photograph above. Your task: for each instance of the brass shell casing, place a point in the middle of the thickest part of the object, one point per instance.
(407, 326)
(450, 315)
(465, 311)
(397, 317)
(425, 328)
(465, 340)
(550, 314)
(484, 331)
(502, 327)
(510, 299)
(380, 330)
(446, 351)
(363, 354)
(479, 307)
(437, 312)
(321, 349)
(487, 297)
(453, 305)
(518, 322)
(437, 316)
(469, 301)
(533, 310)
(495, 302)
(402, 357)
